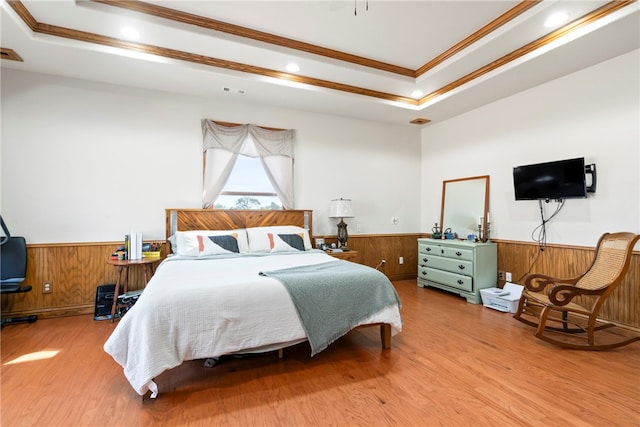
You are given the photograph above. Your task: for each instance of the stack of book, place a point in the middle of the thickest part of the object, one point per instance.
(134, 246)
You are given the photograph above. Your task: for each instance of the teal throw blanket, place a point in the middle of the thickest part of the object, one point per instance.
(333, 297)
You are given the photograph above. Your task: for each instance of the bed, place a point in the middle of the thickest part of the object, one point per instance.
(245, 282)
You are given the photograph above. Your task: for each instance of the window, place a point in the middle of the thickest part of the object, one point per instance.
(247, 167)
(248, 187)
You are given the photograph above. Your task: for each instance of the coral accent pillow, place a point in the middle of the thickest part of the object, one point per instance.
(286, 242)
(190, 243)
(259, 240)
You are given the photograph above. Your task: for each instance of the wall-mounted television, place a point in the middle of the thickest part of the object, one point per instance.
(558, 180)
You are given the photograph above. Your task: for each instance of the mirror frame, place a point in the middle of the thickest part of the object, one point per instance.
(485, 208)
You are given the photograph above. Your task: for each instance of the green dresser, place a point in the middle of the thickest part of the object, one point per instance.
(458, 266)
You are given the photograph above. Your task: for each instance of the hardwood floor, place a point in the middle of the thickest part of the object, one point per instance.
(454, 364)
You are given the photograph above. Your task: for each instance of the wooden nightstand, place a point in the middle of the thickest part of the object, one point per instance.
(353, 256)
(147, 265)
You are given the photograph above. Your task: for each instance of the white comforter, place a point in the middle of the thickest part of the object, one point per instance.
(200, 308)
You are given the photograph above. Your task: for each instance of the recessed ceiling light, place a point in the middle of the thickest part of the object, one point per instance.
(416, 93)
(556, 19)
(130, 33)
(293, 68)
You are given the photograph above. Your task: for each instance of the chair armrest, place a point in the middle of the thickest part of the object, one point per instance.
(13, 288)
(9, 288)
(538, 282)
(563, 294)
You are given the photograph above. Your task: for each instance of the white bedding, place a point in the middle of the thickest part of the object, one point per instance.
(201, 308)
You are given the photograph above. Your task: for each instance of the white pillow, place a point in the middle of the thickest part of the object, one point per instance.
(260, 241)
(211, 242)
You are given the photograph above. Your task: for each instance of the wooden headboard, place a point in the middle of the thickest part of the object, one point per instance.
(218, 219)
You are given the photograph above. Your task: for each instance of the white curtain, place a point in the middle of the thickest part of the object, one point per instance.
(223, 144)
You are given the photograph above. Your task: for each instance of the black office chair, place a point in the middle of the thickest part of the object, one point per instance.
(13, 270)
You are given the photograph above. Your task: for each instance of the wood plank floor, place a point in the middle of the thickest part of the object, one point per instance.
(454, 364)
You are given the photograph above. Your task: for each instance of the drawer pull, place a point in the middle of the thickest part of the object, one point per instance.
(461, 267)
(424, 273)
(459, 253)
(428, 249)
(425, 259)
(441, 251)
(460, 282)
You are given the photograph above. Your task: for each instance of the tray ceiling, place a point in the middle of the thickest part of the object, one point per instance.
(406, 62)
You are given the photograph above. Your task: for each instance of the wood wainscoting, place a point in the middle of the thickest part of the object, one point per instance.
(76, 269)
(373, 248)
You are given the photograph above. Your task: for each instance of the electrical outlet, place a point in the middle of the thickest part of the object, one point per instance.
(500, 275)
(46, 287)
(507, 276)
(401, 260)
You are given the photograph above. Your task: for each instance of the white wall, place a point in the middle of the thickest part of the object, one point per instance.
(594, 113)
(84, 161)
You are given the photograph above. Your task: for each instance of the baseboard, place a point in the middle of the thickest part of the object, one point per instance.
(47, 313)
(404, 276)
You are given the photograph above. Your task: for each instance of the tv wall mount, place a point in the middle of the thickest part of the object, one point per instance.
(590, 170)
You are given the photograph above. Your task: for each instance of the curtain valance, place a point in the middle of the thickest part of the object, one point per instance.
(263, 142)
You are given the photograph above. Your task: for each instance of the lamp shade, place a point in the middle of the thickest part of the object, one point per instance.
(341, 208)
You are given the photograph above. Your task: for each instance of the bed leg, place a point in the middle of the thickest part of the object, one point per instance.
(385, 335)
(281, 353)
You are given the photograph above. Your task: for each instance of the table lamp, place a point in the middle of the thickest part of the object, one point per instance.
(341, 208)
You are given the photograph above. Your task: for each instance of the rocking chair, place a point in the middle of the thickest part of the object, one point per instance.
(565, 311)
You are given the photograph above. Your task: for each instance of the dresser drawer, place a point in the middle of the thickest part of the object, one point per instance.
(446, 251)
(459, 253)
(453, 280)
(459, 266)
(430, 249)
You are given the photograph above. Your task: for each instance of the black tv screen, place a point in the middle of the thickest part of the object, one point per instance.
(562, 179)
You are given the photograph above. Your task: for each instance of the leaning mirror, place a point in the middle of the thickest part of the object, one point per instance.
(465, 205)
